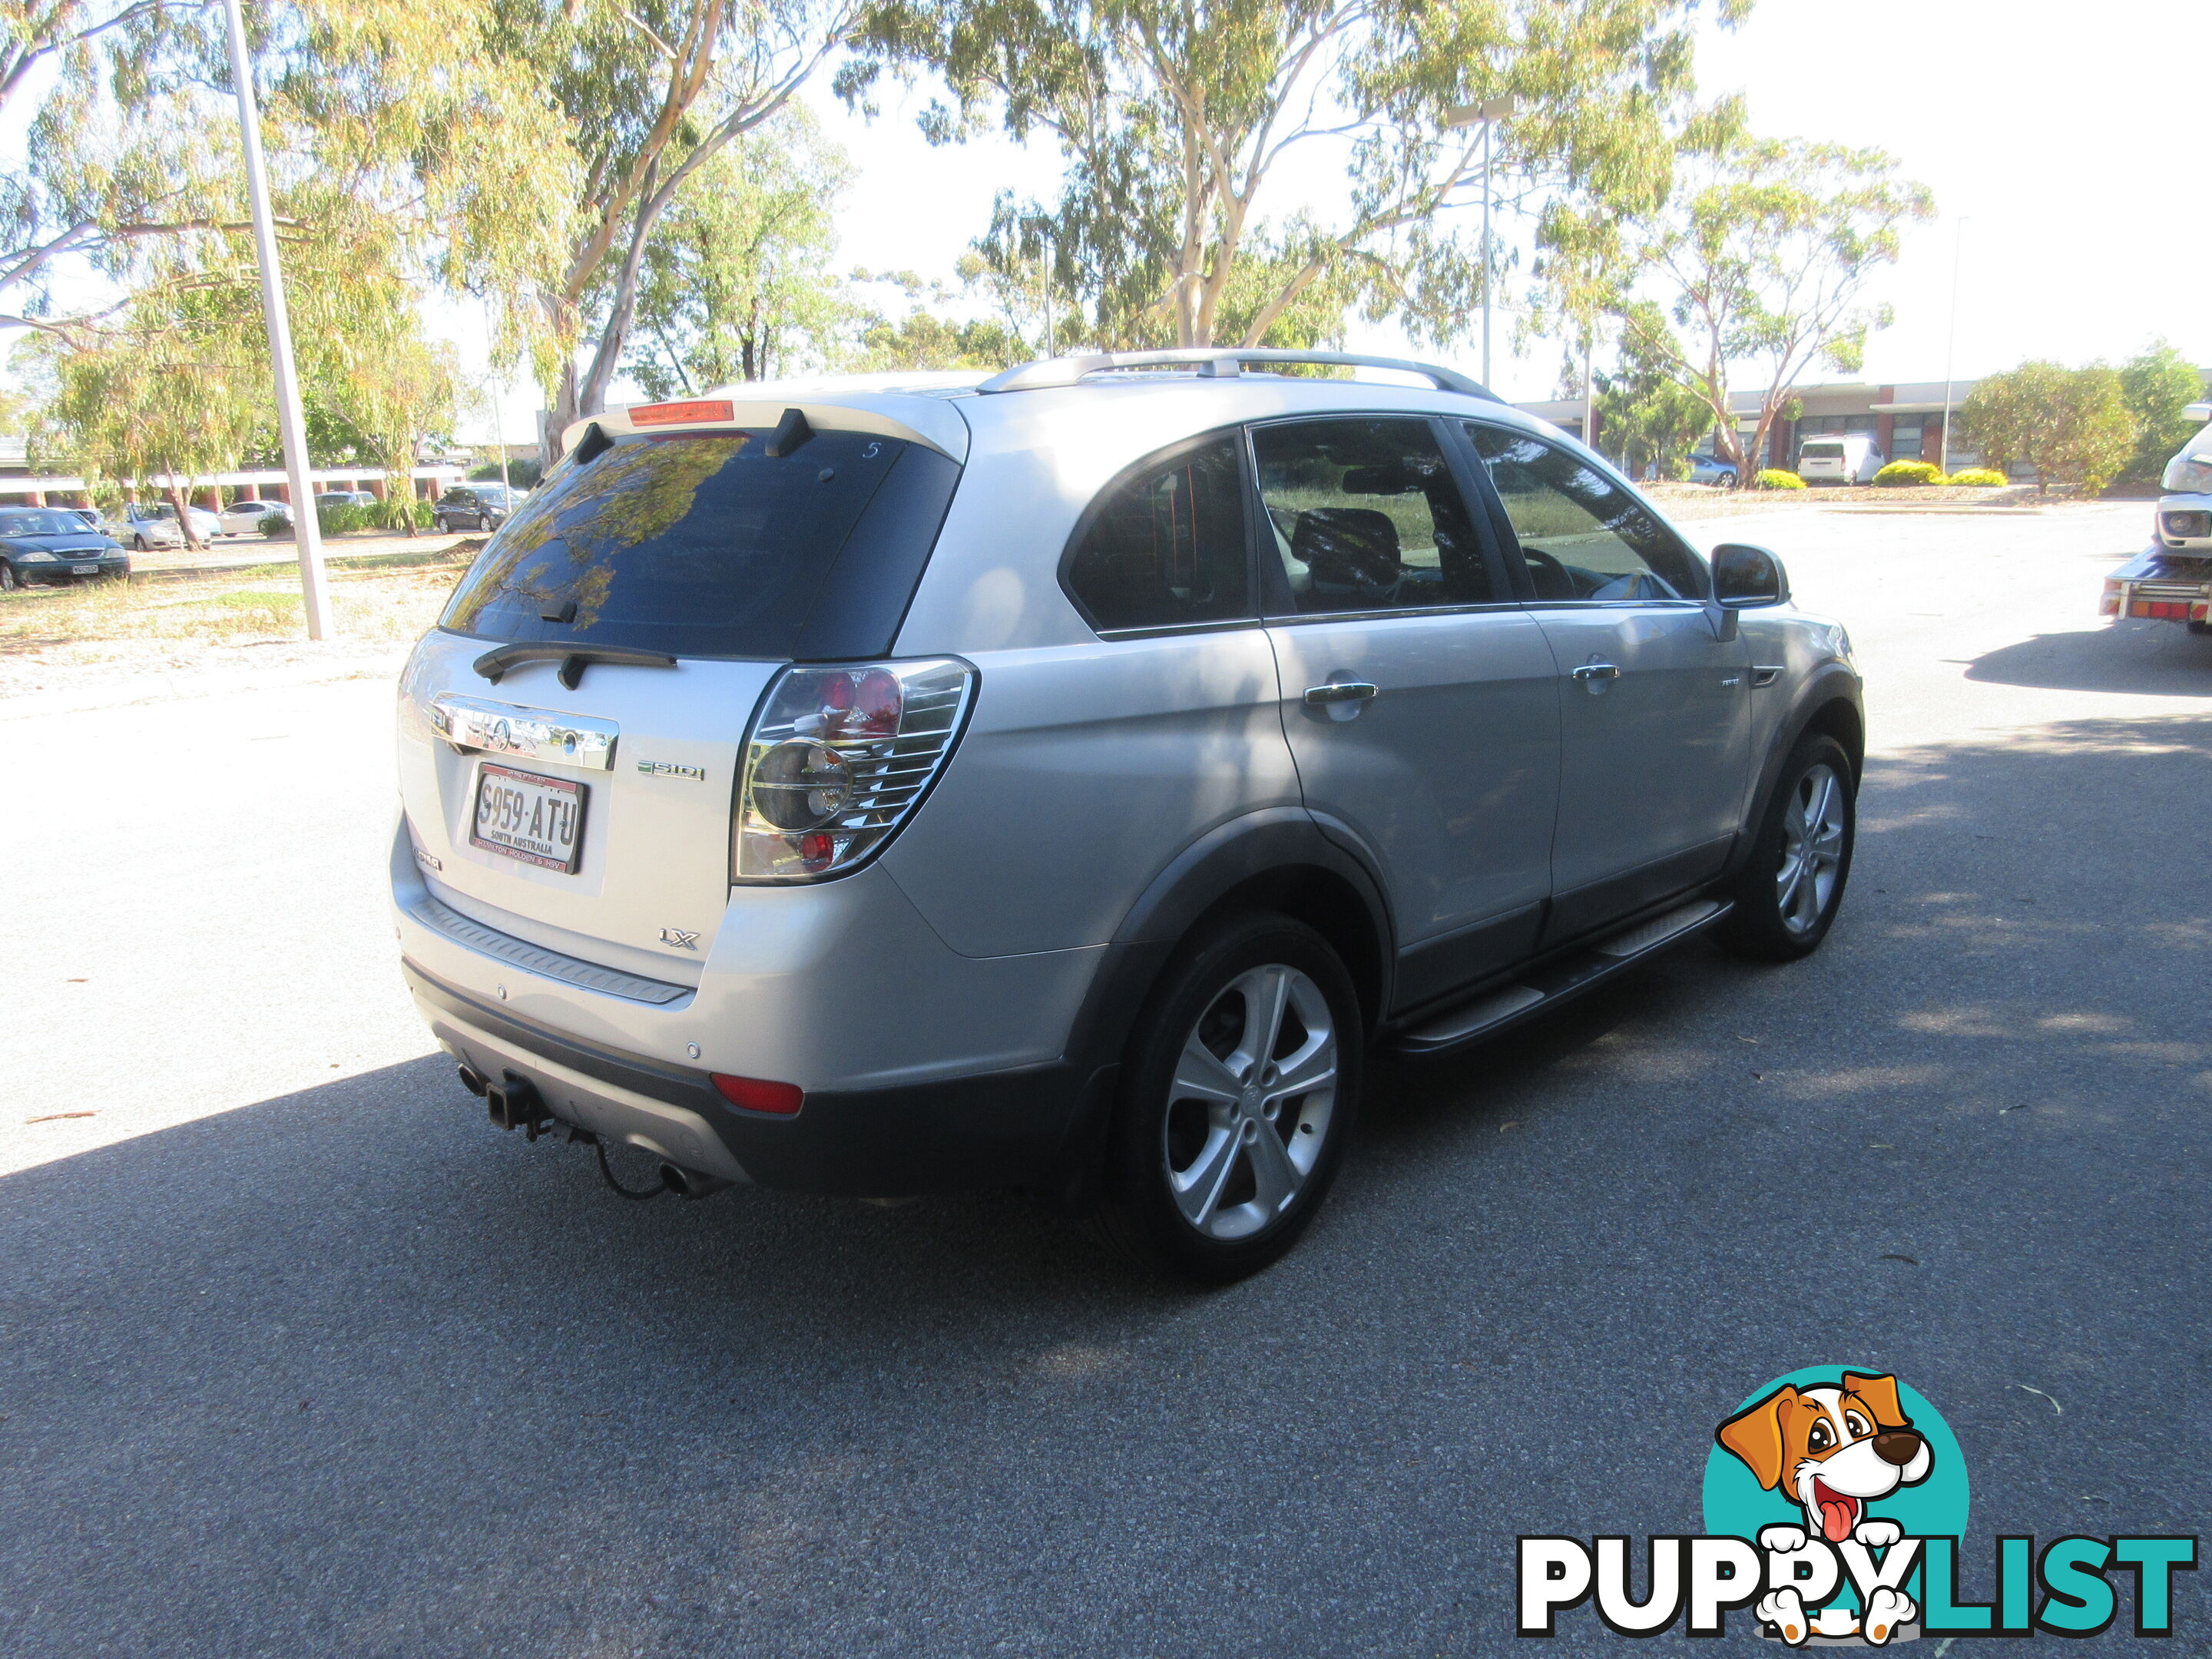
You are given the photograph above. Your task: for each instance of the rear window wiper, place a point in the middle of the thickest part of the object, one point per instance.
(573, 659)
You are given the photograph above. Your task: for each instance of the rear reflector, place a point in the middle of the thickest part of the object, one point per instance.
(698, 409)
(759, 1095)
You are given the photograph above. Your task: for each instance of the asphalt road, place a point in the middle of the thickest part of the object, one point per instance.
(298, 1356)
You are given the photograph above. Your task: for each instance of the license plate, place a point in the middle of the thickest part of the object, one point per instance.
(84, 570)
(539, 820)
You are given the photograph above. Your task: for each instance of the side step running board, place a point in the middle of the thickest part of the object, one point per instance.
(1555, 982)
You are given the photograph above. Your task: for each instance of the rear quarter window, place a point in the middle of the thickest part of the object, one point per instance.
(703, 544)
(1165, 545)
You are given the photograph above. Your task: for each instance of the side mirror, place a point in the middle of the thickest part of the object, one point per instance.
(1745, 576)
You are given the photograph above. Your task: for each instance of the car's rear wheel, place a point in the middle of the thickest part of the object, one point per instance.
(1238, 1093)
(1801, 858)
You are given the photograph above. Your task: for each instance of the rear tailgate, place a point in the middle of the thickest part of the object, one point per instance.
(652, 756)
(571, 735)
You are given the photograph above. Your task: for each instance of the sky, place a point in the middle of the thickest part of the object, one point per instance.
(2088, 222)
(2066, 146)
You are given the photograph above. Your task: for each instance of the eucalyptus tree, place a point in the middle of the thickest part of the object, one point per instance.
(736, 283)
(171, 392)
(131, 172)
(1184, 123)
(647, 93)
(1762, 259)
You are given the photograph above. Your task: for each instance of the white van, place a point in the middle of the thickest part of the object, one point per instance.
(1843, 457)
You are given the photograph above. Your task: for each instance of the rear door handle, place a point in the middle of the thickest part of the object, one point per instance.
(1588, 671)
(1319, 696)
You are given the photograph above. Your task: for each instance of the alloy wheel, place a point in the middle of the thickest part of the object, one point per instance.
(1813, 828)
(1250, 1107)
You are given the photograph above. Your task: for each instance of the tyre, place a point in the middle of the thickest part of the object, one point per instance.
(8, 582)
(444, 527)
(1801, 858)
(2200, 627)
(1239, 1090)
(138, 542)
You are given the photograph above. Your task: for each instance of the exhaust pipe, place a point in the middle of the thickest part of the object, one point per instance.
(689, 1183)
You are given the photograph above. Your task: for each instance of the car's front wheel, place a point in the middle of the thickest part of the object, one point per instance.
(1238, 1092)
(1786, 896)
(138, 542)
(8, 582)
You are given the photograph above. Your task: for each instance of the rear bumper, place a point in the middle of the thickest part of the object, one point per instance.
(1010, 1128)
(2162, 585)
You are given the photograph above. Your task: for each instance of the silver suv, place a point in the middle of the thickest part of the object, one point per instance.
(1066, 781)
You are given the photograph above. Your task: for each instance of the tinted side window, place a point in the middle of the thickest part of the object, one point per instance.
(1583, 536)
(1166, 545)
(1366, 517)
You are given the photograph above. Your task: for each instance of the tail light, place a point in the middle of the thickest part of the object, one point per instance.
(837, 758)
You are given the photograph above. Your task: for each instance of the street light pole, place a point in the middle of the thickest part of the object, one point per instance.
(1486, 115)
(1951, 346)
(1488, 128)
(291, 425)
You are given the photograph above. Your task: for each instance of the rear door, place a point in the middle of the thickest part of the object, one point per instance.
(571, 731)
(1654, 706)
(1420, 700)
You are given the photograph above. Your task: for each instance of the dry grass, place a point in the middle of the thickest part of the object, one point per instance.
(57, 638)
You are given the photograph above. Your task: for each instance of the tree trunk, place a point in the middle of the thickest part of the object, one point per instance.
(562, 315)
(615, 335)
(184, 516)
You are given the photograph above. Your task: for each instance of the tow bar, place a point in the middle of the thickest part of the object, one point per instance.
(514, 1103)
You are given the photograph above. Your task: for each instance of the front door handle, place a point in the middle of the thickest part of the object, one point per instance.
(1588, 671)
(1319, 696)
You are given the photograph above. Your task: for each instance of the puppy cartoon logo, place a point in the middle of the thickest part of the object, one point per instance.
(1835, 1512)
(1832, 1449)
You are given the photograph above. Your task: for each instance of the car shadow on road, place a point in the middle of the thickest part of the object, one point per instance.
(2153, 658)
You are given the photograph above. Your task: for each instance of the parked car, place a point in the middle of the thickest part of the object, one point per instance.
(2170, 581)
(1712, 469)
(53, 544)
(1848, 457)
(147, 524)
(330, 498)
(475, 506)
(2182, 520)
(1064, 781)
(244, 518)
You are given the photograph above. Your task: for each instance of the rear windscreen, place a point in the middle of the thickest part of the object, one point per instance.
(705, 545)
(1822, 451)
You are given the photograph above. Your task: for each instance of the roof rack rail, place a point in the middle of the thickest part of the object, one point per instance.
(1223, 362)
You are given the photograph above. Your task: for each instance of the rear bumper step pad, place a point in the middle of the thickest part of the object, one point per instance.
(1496, 1009)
